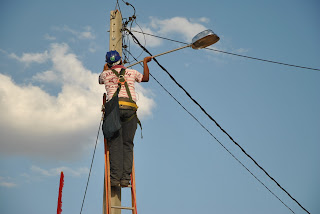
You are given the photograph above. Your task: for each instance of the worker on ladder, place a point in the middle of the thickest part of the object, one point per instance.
(120, 120)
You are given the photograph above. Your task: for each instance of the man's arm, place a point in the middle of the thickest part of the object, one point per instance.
(105, 67)
(145, 77)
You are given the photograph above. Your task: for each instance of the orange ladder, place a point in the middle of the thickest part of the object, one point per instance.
(107, 192)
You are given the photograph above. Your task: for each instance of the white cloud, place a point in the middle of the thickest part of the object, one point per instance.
(5, 182)
(56, 171)
(86, 34)
(204, 20)
(35, 123)
(241, 51)
(146, 40)
(186, 28)
(92, 49)
(201, 19)
(47, 76)
(49, 37)
(145, 103)
(31, 57)
(3, 51)
(177, 25)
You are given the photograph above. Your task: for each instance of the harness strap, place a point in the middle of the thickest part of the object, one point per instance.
(117, 92)
(122, 81)
(119, 85)
(138, 121)
(128, 91)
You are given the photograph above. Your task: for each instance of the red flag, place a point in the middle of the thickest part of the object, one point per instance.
(59, 208)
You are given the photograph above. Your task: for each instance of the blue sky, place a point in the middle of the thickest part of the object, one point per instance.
(51, 53)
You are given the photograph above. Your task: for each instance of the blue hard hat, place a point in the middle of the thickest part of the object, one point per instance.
(112, 57)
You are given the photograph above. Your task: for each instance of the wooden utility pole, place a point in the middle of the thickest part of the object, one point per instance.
(115, 43)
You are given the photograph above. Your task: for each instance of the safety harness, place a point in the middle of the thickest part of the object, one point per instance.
(122, 81)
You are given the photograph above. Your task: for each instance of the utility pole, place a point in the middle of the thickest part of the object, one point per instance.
(115, 43)
(115, 40)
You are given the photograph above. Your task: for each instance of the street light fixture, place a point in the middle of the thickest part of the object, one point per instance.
(199, 41)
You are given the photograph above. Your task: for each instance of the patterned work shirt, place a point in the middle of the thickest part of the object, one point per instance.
(110, 80)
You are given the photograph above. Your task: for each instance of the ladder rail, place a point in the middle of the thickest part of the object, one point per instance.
(107, 193)
(107, 171)
(133, 189)
(107, 178)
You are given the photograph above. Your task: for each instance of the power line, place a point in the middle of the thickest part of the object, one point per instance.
(217, 124)
(234, 54)
(210, 133)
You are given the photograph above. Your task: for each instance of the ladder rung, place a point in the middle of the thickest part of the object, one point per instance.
(125, 208)
(129, 186)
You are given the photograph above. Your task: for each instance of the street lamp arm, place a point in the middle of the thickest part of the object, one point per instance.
(189, 45)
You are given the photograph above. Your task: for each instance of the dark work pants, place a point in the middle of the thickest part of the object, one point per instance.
(121, 148)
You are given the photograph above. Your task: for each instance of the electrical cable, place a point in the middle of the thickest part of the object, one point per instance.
(217, 124)
(210, 133)
(234, 54)
(136, 41)
(94, 152)
(126, 34)
(134, 9)
(128, 21)
(117, 6)
(144, 38)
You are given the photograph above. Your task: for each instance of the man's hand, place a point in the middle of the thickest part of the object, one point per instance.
(145, 77)
(105, 67)
(147, 59)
